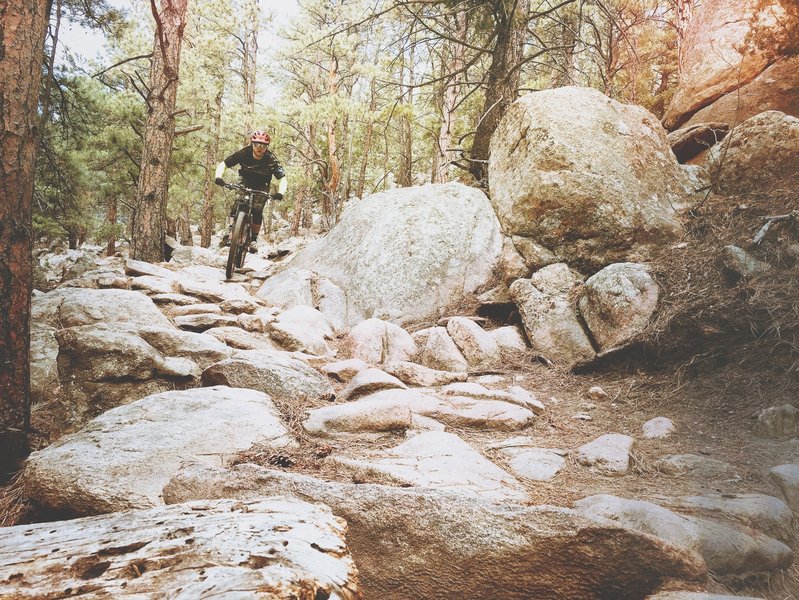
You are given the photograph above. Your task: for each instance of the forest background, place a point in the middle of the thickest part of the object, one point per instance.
(358, 96)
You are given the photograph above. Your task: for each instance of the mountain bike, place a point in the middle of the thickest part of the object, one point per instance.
(241, 234)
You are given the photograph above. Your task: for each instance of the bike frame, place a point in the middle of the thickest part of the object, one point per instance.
(241, 235)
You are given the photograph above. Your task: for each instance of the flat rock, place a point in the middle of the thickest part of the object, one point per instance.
(345, 370)
(196, 309)
(420, 376)
(368, 382)
(415, 543)
(123, 458)
(276, 374)
(273, 548)
(236, 337)
(609, 454)
(438, 460)
(700, 467)
(365, 416)
(204, 321)
(538, 464)
(696, 596)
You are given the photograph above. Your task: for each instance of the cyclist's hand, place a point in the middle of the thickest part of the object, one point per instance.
(219, 181)
(277, 196)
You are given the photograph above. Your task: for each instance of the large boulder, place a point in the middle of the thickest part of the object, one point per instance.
(726, 549)
(549, 314)
(270, 549)
(760, 155)
(123, 458)
(737, 62)
(617, 303)
(584, 177)
(406, 254)
(411, 543)
(102, 366)
(69, 307)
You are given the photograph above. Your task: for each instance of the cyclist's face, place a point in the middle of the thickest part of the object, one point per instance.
(258, 150)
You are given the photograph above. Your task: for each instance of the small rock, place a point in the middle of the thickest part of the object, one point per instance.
(658, 427)
(421, 376)
(609, 454)
(777, 422)
(596, 393)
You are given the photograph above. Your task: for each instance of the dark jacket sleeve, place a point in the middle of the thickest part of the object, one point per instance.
(277, 170)
(234, 159)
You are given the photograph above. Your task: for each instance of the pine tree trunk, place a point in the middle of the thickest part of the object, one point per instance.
(502, 86)
(211, 152)
(159, 133)
(449, 99)
(684, 10)
(405, 172)
(111, 219)
(333, 170)
(22, 30)
(249, 63)
(367, 145)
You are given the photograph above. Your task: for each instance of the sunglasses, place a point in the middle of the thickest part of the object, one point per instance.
(259, 145)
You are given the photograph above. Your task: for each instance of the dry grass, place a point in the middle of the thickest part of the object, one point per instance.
(712, 318)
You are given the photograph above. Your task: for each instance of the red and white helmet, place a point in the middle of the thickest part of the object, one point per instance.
(260, 137)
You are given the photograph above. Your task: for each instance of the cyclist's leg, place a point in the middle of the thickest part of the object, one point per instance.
(231, 219)
(257, 219)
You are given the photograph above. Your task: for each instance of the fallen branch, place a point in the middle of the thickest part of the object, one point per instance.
(769, 221)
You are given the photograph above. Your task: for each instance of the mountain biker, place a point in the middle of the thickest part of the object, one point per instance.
(257, 166)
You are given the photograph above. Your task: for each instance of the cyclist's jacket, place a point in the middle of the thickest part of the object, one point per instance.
(256, 174)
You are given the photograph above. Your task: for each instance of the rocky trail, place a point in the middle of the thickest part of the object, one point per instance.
(447, 395)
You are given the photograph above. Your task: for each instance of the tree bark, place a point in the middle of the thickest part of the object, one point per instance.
(249, 63)
(367, 144)
(684, 10)
(184, 226)
(111, 219)
(449, 100)
(22, 31)
(405, 171)
(159, 132)
(502, 85)
(211, 152)
(334, 170)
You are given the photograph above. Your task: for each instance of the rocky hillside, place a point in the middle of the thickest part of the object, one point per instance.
(579, 387)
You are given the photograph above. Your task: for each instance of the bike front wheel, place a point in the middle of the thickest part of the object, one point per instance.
(238, 241)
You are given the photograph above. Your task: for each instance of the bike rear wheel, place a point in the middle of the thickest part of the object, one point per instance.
(238, 239)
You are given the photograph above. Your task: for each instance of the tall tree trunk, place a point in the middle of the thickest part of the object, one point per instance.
(405, 171)
(333, 169)
(111, 219)
(367, 144)
(211, 152)
(453, 62)
(249, 62)
(22, 30)
(48, 82)
(159, 132)
(685, 11)
(569, 26)
(502, 85)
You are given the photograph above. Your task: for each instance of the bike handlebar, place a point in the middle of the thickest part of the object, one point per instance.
(236, 186)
